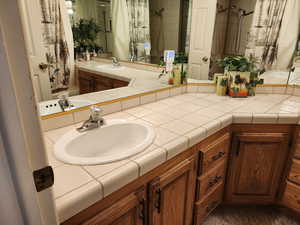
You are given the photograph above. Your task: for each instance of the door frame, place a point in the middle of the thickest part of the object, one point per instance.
(20, 125)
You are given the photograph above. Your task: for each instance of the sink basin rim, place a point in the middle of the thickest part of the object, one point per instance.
(60, 148)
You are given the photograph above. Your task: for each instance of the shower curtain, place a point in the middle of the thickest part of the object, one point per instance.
(86, 9)
(265, 31)
(59, 45)
(289, 34)
(120, 29)
(139, 27)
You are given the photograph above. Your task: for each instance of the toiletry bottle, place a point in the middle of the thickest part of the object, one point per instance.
(87, 56)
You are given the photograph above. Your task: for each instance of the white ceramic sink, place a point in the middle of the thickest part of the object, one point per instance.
(116, 140)
(110, 67)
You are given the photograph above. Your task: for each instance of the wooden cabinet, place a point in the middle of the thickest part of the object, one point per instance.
(256, 166)
(131, 210)
(172, 194)
(90, 82)
(291, 196)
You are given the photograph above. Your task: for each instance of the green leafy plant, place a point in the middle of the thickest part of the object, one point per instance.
(236, 63)
(85, 33)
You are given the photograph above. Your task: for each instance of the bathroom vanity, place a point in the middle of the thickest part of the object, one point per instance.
(93, 82)
(240, 164)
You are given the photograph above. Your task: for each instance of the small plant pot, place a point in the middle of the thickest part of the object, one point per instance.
(237, 83)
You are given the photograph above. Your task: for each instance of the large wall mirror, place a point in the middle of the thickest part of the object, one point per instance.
(131, 30)
(138, 32)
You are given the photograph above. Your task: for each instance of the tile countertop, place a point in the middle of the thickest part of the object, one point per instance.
(180, 122)
(138, 79)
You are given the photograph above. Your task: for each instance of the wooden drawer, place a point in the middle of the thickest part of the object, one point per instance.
(294, 175)
(206, 206)
(214, 153)
(297, 151)
(291, 196)
(207, 182)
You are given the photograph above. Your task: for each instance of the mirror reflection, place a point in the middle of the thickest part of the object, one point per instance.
(108, 49)
(130, 30)
(264, 31)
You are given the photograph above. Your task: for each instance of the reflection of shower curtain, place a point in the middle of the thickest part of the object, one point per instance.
(265, 30)
(289, 35)
(120, 29)
(139, 23)
(86, 9)
(188, 32)
(58, 42)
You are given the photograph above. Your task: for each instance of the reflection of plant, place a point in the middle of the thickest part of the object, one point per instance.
(85, 34)
(236, 63)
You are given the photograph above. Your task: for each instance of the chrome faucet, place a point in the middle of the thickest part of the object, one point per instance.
(64, 102)
(95, 120)
(115, 61)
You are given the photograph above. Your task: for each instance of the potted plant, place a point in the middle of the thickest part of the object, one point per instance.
(238, 70)
(85, 33)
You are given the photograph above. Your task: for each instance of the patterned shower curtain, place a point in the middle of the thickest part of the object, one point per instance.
(58, 54)
(265, 31)
(139, 26)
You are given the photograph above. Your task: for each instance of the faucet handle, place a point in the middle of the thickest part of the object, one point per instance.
(95, 112)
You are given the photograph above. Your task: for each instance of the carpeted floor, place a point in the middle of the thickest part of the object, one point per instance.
(250, 216)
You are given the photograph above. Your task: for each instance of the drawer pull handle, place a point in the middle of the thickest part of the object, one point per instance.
(298, 201)
(214, 181)
(218, 156)
(211, 206)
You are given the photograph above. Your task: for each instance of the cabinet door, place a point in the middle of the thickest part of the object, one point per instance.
(127, 211)
(85, 85)
(172, 195)
(255, 167)
(102, 83)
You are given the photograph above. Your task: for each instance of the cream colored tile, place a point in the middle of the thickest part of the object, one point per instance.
(210, 113)
(174, 112)
(151, 160)
(120, 115)
(196, 136)
(77, 200)
(151, 148)
(242, 117)
(178, 126)
(175, 91)
(157, 118)
(192, 89)
(163, 136)
(139, 111)
(148, 98)
(225, 120)
(278, 90)
(69, 178)
(207, 89)
(57, 122)
(100, 170)
(264, 90)
(51, 157)
(156, 106)
(212, 127)
(196, 119)
(111, 108)
(176, 146)
(54, 135)
(81, 115)
(118, 178)
(265, 118)
(130, 103)
(288, 118)
(170, 102)
(289, 90)
(189, 107)
(296, 91)
(163, 94)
